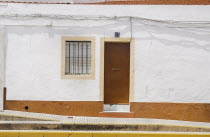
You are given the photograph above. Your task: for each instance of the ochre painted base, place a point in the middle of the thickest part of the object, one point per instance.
(175, 111)
(116, 115)
(73, 108)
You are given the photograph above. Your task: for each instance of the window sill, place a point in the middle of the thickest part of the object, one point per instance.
(91, 76)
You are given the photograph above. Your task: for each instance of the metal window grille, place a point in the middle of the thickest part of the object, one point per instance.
(78, 57)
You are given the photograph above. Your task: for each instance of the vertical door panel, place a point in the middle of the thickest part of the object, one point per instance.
(116, 73)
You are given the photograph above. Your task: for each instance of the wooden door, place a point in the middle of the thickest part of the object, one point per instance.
(116, 73)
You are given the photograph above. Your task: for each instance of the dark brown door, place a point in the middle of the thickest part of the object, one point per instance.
(116, 73)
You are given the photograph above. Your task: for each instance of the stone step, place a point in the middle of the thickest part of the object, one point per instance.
(117, 107)
(117, 114)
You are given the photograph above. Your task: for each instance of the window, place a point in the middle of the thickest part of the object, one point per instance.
(78, 57)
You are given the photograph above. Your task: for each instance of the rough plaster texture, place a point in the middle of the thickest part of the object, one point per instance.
(171, 59)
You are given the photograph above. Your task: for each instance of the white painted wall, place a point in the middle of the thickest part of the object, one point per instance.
(2, 65)
(34, 69)
(159, 12)
(171, 64)
(34, 63)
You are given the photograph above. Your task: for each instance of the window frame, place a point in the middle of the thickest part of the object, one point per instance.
(77, 38)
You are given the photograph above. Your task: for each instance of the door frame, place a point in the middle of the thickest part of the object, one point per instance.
(102, 50)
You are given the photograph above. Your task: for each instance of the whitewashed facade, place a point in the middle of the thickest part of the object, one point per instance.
(171, 54)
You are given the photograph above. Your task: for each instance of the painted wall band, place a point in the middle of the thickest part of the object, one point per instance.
(176, 111)
(74, 108)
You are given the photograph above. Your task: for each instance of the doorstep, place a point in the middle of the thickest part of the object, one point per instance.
(115, 114)
(117, 107)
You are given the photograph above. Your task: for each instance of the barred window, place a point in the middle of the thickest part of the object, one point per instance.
(77, 57)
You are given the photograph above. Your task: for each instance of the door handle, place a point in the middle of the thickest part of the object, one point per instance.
(115, 69)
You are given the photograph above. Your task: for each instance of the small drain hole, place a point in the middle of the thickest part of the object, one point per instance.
(26, 107)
